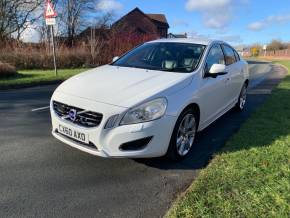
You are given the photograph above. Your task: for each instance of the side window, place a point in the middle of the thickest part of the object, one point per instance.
(229, 55)
(237, 56)
(215, 56)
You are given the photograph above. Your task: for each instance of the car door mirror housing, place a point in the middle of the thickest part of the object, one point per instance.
(216, 70)
(115, 58)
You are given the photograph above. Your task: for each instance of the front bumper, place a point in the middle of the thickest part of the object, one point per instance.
(107, 142)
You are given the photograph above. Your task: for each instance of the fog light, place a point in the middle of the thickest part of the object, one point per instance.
(136, 145)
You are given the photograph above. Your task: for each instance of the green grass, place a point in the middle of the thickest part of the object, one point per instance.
(37, 77)
(250, 177)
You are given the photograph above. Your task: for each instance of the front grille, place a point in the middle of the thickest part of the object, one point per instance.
(82, 117)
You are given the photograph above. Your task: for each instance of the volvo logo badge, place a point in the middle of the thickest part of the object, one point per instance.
(72, 115)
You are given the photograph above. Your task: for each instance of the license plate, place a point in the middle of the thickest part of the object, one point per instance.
(74, 134)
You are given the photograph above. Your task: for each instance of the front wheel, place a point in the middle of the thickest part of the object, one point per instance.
(242, 99)
(183, 135)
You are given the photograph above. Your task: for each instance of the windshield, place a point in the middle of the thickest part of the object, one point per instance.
(164, 56)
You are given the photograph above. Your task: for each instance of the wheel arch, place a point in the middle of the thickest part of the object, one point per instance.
(171, 153)
(196, 109)
(247, 82)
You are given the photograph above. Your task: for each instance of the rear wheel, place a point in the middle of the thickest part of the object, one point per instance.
(242, 99)
(183, 136)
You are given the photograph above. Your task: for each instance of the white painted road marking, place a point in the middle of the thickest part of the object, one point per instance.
(40, 109)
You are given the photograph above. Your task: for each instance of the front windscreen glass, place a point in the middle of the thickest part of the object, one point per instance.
(163, 56)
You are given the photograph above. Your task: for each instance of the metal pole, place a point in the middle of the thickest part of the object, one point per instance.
(53, 50)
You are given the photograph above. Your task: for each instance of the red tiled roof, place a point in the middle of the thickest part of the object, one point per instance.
(158, 17)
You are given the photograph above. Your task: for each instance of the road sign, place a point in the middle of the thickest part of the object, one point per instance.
(265, 47)
(49, 11)
(50, 15)
(50, 21)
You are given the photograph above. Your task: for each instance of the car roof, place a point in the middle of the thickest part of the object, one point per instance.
(189, 40)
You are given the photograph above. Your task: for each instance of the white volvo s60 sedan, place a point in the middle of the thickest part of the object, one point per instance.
(151, 101)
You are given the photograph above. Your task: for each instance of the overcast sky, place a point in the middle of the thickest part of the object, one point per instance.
(236, 21)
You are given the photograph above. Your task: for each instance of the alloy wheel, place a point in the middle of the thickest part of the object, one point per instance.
(186, 134)
(243, 98)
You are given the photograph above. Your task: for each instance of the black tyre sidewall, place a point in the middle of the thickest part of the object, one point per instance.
(172, 152)
(237, 107)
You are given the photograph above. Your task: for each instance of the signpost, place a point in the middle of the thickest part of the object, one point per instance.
(265, 50)
(50, 15)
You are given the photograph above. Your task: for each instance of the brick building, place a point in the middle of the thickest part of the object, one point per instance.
(137, 22)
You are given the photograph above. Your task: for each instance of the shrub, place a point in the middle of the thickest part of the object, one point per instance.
(6, 70)
(82, 54)
(276, 45)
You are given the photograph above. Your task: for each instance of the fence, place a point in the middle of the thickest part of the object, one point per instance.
(277, 53)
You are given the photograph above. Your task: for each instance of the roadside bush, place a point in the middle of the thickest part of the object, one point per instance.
(40, 56)
(82, 54)
(6, 70)
(276, 45)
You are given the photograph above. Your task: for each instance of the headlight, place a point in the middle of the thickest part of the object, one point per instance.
(111, 122)
(148, 111)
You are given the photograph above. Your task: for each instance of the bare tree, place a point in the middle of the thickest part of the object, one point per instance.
(16, 16)
(276, 45)
(98, 34)
(105, 20)
(75, 16)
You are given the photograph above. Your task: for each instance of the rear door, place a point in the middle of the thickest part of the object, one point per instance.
(240, 74)
(233, 82)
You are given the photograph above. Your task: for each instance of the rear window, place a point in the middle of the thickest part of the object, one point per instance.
(237, 56)
(229, 55)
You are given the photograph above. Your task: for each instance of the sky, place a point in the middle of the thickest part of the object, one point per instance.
(235, 21)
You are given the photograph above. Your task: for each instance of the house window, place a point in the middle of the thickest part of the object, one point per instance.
(162, 32)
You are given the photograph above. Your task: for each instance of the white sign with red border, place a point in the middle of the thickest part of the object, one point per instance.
(49, 14)
(49, 11)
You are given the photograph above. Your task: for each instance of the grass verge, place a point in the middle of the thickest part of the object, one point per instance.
(29, 78)
(250, 177)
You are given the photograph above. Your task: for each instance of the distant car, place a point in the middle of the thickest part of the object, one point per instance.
(152, 101)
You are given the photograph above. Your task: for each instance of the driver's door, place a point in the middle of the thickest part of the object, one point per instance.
(213, 91)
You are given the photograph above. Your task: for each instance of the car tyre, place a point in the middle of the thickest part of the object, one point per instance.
(183, 135)
(240, 106)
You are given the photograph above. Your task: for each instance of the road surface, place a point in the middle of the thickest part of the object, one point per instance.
(41, 177)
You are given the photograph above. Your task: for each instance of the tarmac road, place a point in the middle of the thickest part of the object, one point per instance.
(41, 177)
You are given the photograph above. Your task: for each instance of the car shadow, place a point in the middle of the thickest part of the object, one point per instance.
(207, 143)
(257, 62)
(212, 139)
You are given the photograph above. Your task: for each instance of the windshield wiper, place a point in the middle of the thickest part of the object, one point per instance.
(177, 69)
(139, 67)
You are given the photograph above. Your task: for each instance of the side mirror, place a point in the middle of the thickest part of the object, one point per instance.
(115, 58)
(216, 70)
